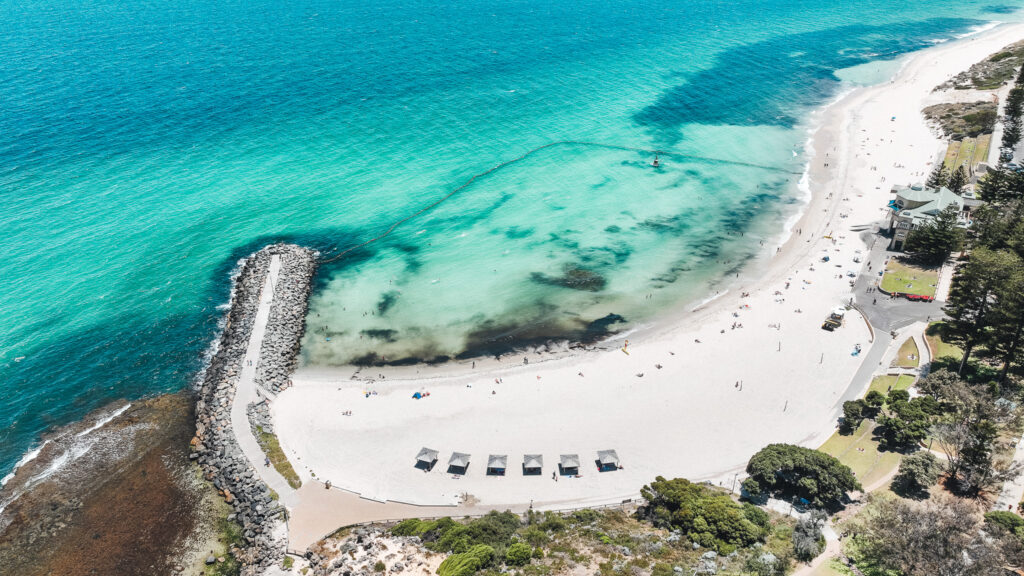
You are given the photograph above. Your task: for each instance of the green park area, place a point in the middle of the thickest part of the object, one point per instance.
(941, 348)
(908, 279)
(882, 384)
(861, 453)
(909, 356)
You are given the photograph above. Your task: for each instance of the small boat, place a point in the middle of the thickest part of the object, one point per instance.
(656, 163)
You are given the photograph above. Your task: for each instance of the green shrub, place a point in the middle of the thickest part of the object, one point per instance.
(379, 566)
(553, 523)
(758, 516)
(535, 536)
(1008, 520)
(585, 516)
(518, 554)
(708, 516)
(662, 569)
(410, 527)
(468, 562)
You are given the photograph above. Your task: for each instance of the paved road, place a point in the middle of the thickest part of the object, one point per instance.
(883, 312)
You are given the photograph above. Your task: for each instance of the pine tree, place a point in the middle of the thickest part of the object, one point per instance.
(939, 176)
(975, 286)
(933, 241)
(1008, 321)
(957, 180)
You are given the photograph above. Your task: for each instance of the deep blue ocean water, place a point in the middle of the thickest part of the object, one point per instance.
(146, 146)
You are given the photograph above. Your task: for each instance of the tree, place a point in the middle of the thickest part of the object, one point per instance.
(874, 400)
(940, 536)
(815, 476)
(918, 472)
(973, 464)
(808, 541)
(975, 286)
(933, 241)
(938, 383)
(518, 554)
(853, 414)
(957, 180)
(939, 176)
(906, 422)
(1008, 321)
(1001, 185)
(708, 516)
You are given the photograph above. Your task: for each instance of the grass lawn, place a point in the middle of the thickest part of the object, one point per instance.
(907, 279)
(909, 356)
(860, 452)
(939, 347)
(952, 151)
(984, 145)
(278, 460)
(882, 383)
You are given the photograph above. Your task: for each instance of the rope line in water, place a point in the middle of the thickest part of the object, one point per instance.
(526, 155)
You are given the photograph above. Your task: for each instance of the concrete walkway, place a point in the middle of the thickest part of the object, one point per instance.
(246, 392)
(1013, 490)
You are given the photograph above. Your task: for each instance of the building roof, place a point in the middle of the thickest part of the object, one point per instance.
(497, 461)
(459, 460)
(920, 204)
(570, 460)
(533, 461)
(426, 455)
(607, 457)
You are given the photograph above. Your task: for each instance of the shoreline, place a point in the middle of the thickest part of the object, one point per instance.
(847, 193)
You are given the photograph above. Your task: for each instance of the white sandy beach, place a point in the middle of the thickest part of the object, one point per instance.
(685, 416)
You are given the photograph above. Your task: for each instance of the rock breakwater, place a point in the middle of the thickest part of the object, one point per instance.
(215, 445)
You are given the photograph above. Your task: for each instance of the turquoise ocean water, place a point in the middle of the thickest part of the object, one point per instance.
(146, 146)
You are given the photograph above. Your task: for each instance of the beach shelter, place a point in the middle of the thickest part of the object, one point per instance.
(496, 464)
(569, 464)
(607, 460)
(458, 463)
(532, 464)
(426, 459)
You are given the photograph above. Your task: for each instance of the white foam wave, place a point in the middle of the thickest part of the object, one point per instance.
(28, 457)
(979, 29)
(104, 421)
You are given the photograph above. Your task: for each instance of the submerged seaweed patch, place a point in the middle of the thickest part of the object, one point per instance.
(384, 334)
(387, 300)
(574, 277)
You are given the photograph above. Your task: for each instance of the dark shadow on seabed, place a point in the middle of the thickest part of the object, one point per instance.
(786, 85)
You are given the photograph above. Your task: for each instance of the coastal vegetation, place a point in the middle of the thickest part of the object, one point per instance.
(960, 120)
(991, 73)
(707, 516)
(272, 448)
(661, 538)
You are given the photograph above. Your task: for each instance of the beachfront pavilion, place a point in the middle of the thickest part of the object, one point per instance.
(569, 464)
(916, 205)
(607, 460)
(426, 459)
(496, 464)
(532, 464)
(458, 463)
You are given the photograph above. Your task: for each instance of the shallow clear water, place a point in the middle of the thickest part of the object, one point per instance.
(145, 147)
